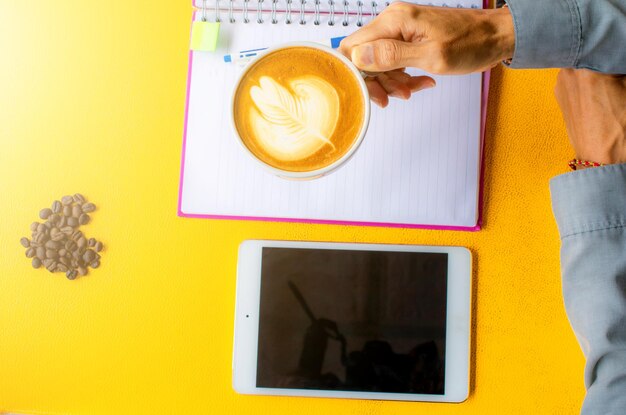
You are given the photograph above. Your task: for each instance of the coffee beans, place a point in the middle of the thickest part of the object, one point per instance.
(53, 245)
(89, 256)
(89, 207)
(80, 199)
(56, 234)
(56, 206)
(50, 264)
(57, 244)
(45, 213)
(67, 230)
(41, 237)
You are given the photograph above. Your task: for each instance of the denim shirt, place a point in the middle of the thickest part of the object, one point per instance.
(590, 209)
(587, 34)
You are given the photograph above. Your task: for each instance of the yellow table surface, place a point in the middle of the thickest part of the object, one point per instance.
(92, 100)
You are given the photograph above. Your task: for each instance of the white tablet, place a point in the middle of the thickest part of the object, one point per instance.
(358, 321)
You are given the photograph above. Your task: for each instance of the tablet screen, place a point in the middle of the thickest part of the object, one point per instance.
(371, 321)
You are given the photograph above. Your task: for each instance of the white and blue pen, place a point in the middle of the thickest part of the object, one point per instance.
(246, 55)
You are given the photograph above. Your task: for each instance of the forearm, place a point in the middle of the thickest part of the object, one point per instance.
(569, 34)
(590, 209)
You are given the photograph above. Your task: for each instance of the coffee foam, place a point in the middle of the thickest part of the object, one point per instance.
(299, 109)
(296, 120)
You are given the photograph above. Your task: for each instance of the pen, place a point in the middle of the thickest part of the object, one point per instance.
(246, 55)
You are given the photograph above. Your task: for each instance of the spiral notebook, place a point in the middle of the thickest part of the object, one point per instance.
(419, 164)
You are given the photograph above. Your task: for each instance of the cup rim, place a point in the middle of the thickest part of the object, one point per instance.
(310, 174)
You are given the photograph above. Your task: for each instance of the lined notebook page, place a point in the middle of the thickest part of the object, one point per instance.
(418, 164)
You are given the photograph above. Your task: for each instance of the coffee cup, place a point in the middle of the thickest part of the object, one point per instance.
(301, 110)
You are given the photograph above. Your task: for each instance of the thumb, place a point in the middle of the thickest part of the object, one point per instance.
(385, 55)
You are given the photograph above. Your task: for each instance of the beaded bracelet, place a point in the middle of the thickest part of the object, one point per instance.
(574, 163)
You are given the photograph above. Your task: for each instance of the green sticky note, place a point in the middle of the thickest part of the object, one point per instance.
(204, 35)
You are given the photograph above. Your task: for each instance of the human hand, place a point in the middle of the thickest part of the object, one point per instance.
(594, 110)
(435, 39)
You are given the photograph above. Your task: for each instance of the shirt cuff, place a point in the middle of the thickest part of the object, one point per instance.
(590, 200)
(547, 33)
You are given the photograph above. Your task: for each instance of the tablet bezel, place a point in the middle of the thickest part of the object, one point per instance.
(458, 321)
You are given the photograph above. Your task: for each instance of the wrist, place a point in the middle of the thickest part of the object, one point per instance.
(610, 149)
(502, 37)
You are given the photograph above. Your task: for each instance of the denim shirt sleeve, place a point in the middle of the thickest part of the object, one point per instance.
(590, 210)
(587, 34)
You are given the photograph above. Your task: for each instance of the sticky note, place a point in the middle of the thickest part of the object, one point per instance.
(204, 35)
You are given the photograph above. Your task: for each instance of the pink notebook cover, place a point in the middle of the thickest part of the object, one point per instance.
(477, 227)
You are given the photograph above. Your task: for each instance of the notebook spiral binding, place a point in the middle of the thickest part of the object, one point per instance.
(336, 12)
(300, 11)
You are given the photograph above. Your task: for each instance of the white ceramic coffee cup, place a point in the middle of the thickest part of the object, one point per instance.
(313, 174)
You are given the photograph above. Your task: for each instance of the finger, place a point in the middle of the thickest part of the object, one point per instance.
(376, 29)
(413, 82)
(419, 83)
(393, 87)
(398, 75)
(387, 25)
(377, 93)
(387, 54)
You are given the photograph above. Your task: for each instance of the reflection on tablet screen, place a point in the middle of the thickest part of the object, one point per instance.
(352, 320)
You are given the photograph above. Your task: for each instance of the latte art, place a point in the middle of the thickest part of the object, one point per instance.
(299, 109)
(296, 121)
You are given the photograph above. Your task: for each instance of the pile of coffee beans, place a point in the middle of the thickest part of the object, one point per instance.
(57, 244)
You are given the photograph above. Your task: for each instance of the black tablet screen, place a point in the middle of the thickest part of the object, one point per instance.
(370, 321)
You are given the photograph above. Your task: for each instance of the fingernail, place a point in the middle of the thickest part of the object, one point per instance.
(363, 55)
(430, 84)
(399, 96)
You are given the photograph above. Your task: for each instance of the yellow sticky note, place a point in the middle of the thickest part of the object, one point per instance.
(204, 35)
